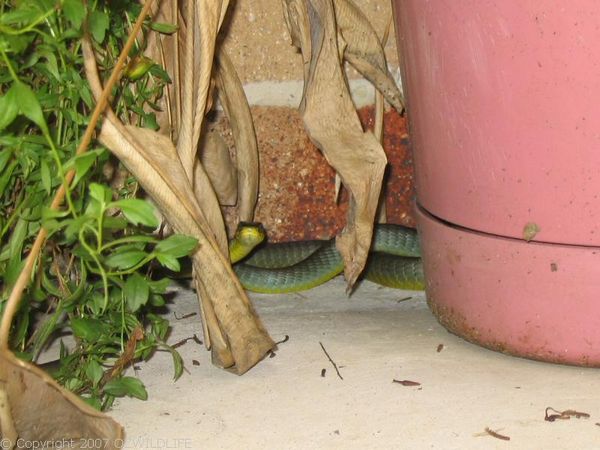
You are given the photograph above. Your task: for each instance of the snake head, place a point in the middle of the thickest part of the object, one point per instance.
(247, 236)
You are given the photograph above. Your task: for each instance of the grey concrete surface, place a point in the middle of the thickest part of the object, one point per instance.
(286, 403)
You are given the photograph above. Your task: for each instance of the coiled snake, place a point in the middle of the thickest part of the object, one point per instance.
(394, 260)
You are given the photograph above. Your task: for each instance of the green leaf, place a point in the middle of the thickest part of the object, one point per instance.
(15, 43)
(138, 67)
(46, 177)
(150, 121)
(100, 193)
(81, 290)
(74, 11)
(170, 262)
(114, 223)
(159, 326)
(24, 14)
(129, 386)
(136, 292)
(49, 214)
(96, 302)
(164, 28)
(157, 300)
(18, 237)
(87, 328)
(29, 105)
(159, 286)
(177, 245)
(6, 176)
(12, 272)
(138, 212)
(82, 164)
(49, 285)
(9, 107)
(160, 73)
(94, 371)
(94, 402)
(5, 156)
(74, 226)
(177, 363)
(20, 327)
(98, 23)
(51, 64)
(125, 260)
(73, 384)
(44, 331)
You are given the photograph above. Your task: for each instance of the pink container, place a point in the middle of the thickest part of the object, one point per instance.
(504, 111)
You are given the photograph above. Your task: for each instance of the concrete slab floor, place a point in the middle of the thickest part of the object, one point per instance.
(286, 403)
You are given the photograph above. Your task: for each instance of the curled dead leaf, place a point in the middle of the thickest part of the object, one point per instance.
(364, 50)
(232, 329)
(220, 169)
(35, 409)
(333, 125)
(232, 97)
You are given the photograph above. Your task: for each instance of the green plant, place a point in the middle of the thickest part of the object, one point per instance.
(94, 280)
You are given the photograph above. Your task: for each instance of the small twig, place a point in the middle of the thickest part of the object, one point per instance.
(271, 353)
(406, 382)
(185, 316)
(576, 414)
(403, 299)
(332, 362)
(284, 340)
(564, 415)
(184, 341)
(180, 343)
(553, 417)
(496, 434)
(125, 358)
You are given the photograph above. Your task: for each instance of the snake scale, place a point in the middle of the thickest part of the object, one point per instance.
(394, 260)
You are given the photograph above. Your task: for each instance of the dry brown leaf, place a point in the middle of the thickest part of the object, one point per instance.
(203, 20)
(153, 161)
(188, 86)
(188, 95)
(333, 125)
(220, 169)
(364, 50)
(192, 71)
(209, 204)
(378, 129)
(378, 133)
(238, 337)
(230, 93)
(164, 49)
(36, 410)
(236, 108)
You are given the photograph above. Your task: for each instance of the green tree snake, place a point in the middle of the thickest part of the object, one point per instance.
(394, 260)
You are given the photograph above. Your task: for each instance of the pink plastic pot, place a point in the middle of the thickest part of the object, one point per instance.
(503, 102)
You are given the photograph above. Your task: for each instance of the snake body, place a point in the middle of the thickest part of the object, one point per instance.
(296, 266)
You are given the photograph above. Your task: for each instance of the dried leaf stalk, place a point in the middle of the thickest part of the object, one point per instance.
(333, 125)
(232, 328)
